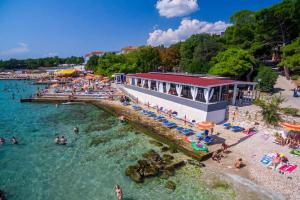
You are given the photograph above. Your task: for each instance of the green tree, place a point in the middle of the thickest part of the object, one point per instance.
(92, 63)
(234, 63)
(147, 58)
(291, 55)
(270, 109)
(266, 78)
(197, 51)
(242, 33)
(170, 57)
(278, 25)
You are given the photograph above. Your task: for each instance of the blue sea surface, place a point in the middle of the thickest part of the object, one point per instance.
(92, 162)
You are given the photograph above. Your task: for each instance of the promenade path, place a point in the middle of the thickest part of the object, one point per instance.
(286, 89)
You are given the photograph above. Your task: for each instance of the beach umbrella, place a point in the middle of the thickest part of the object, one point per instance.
(205, 125)
(290, 126)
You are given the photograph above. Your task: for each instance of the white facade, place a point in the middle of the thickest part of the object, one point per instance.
(182, 110)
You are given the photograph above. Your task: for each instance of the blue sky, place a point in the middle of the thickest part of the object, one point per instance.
(39, 28)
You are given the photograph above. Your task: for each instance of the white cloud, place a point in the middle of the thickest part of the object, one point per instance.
(175, 8)
(185, 30)
(21, 49)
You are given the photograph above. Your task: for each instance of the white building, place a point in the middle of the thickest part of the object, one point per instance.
(192, 97)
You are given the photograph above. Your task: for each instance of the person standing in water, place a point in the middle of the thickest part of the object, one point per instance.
(63, 140)
(119, 192)
(2, 140)
(76, 130)
(56, 140)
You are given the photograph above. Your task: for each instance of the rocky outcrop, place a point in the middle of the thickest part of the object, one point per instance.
(170, 185)
(152, 164)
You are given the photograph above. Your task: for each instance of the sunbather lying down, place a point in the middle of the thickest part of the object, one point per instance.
(239, 163)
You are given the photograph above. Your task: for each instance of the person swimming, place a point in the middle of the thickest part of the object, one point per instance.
(14, 140)
(119, 192)
(56, 140)
(2, 140)
(76, 130)
(63, 140)
(2, 195)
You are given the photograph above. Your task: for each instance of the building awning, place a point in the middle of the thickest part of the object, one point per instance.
(66, 72)
(185, 79)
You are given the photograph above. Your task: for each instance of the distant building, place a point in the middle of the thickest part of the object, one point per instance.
(93, 53)
(128, 49)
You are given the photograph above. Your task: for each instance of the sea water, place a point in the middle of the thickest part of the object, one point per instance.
(92, 162)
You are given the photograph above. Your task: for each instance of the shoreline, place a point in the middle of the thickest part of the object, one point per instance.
(149, 127)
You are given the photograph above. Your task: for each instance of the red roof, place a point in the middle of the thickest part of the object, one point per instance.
(185, 79)
(94, 53)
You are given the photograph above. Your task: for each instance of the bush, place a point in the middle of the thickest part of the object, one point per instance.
(295, 77)
(290, 111)
(266, 79)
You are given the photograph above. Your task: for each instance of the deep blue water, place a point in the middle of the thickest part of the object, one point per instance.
(39, 169)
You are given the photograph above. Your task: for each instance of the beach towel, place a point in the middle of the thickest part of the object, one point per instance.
(291, 168)
(284, 167)
(266, 160)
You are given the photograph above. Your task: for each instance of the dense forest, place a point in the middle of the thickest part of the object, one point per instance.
(270, 34)
(39, 62)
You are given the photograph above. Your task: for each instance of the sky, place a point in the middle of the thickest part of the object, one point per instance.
(43, 28)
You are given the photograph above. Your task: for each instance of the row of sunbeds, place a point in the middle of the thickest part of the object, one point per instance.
(169, 124)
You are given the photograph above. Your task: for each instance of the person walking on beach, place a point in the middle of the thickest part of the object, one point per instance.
(14, 140)
(119, 192)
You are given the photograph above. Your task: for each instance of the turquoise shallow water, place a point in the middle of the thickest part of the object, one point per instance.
(39, 169)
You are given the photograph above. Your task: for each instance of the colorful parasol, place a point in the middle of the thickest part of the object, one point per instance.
(290, 126)
(205, 125)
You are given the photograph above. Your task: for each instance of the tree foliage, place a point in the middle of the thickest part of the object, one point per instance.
(291, 55)
(39, 62)
(270, 109)
(197, 51)
(266, 78)
(233, 62)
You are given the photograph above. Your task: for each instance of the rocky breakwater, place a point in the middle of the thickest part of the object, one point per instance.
(152, 128)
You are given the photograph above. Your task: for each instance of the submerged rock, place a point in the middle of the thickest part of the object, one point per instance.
(164, 149)
(168, 157)
(170, 185)
(195, 163)
(156, 143)
(133, 173)
(152, 156)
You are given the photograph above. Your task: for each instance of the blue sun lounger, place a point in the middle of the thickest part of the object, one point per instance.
(266, 160)
(170, 125)
(164, 121)
(208, 140)
(227, 125)
(187, 131)
(179, 128)
(159, 118)
(237, 128)
(201, 135)
(136, 108)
